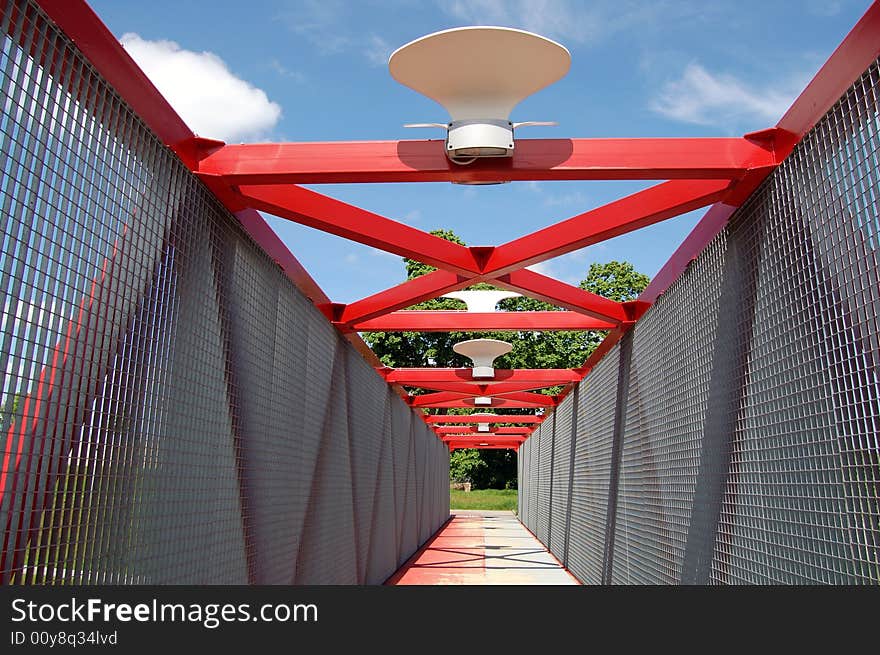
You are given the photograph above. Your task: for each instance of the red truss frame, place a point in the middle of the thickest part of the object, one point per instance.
(719, 173)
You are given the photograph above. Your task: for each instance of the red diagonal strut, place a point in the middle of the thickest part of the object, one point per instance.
(619, 217)
(336, 217)
(564, 295)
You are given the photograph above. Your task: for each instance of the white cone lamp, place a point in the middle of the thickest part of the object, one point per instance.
(482, 401)
(481, 300)
(483, 353)
(479, 74)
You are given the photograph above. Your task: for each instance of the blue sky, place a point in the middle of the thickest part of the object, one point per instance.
(316, 70)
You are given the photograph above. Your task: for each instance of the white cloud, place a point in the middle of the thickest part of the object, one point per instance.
(201, 88)
(413, 216)
(704, 98)
(377, 50)
(297, 76)
(320, 22)
(326, 25)
(553, 18)
(574, 199)
(823, 8)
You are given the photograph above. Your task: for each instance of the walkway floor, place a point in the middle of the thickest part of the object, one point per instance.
(483, 548)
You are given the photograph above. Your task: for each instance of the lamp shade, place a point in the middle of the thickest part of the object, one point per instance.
(483, 353)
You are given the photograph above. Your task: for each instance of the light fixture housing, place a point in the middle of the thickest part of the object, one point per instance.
(483, 401)
(479, 74)
(481, 300)
(483, 353)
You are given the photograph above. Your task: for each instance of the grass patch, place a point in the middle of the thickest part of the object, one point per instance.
(483, 499)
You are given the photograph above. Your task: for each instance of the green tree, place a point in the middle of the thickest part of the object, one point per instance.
(616, 280)
(466, 465)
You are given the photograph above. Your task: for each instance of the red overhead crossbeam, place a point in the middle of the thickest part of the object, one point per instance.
(415, 377)
(451, 399)
(474, 389)
(461, 321)
(458, 429)
(483, 418)
(533, 159)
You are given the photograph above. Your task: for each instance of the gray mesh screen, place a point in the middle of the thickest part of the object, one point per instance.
(802, 500)
(749, 449)
(173, 409)
(559, 486)
(591, 470)
(666, 416)
(545, 474)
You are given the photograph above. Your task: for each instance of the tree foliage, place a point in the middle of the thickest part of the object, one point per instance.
(496, 468)
(618, 281)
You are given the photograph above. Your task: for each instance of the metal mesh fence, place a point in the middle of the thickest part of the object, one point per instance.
(173, 409)
(751, 409)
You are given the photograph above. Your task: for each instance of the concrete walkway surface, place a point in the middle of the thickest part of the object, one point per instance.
(481, 547)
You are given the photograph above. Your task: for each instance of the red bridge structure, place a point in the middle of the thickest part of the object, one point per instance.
(183, 404)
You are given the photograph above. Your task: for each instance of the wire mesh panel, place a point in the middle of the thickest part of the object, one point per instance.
(522, 476)
(560, 465)
(173, 410)
(803, 501)
(545, 475)
(535, 443)
(591, 470)
(670, 382)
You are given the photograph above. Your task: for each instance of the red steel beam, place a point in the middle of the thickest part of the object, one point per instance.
(473, 389)
(417, 376)
(533, 159)
(457, 429)
(485, 418)
(633, 212)
(473, 437)
(561, 294)
(461, 321)
(451, 399)
(336, 217)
